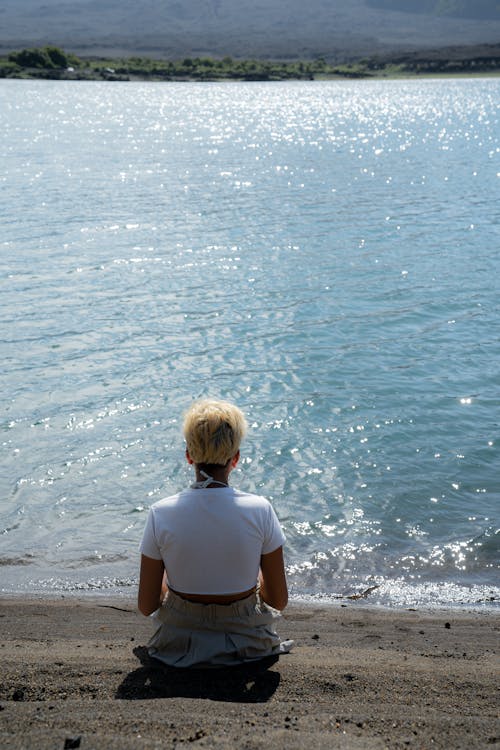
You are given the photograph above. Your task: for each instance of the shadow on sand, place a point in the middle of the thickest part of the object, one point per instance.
(245, 683)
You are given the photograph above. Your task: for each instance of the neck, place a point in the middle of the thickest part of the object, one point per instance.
(219, 475)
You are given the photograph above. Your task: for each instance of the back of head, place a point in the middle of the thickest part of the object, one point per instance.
(213, 431)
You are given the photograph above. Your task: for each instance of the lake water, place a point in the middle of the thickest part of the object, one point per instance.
(326, 254)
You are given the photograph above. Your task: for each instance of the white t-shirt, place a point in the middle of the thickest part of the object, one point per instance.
(211, 540)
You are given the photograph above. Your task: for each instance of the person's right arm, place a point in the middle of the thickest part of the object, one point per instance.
(152, 585)
(272, 579)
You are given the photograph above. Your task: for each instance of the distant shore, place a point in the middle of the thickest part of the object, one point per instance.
(75, 673)
(55, 64)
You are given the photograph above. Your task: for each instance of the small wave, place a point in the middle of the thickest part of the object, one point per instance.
(24, 560)
(398, 593)
(90, 560)
(90, 585)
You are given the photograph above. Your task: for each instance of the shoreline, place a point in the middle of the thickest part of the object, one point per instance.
(96, 596)
(317, 79)
(76, 670)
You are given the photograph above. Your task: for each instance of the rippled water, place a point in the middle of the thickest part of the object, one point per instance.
(326, 254)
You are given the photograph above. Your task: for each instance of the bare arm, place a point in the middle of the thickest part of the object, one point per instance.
(273, 588)
(152, 585)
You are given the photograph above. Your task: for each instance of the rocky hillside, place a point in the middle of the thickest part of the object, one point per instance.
(337, 30)
(473, 9)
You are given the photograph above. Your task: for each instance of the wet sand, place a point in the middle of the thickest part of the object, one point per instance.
(75, 673)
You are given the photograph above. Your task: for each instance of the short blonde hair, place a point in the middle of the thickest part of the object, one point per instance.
(213, 431)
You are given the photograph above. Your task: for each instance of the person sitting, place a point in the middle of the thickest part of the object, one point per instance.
(212, 568)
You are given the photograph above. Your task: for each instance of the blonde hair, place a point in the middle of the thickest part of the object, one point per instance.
(213, 431)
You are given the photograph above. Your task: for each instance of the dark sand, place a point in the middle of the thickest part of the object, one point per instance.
(75, 673)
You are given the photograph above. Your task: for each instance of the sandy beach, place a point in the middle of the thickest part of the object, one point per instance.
(75, 673)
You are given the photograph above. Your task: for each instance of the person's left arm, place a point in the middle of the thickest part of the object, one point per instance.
(272, 579)
(152, 585)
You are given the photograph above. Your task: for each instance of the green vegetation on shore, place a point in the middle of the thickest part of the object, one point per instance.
(53, 63)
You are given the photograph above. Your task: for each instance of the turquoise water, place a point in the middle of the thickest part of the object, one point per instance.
(325, 254)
